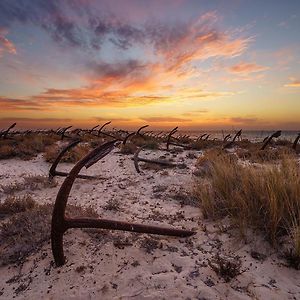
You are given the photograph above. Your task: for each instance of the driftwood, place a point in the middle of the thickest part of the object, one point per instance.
(269, 139)
(60, 223)
(137, 159)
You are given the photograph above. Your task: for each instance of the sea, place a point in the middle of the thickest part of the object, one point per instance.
(251, 135)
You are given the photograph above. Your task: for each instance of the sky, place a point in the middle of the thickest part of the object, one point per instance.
(195, 64)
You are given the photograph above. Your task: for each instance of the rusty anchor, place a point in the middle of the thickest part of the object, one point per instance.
(4, 134)
(53, 172)
(60, 223)
(137, 159)
(296, 141)
(268, 140)
(169, 140)
(231, 143)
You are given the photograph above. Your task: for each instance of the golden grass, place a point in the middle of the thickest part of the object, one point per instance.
(254, 154)
(145, 141)
(128, 148)
(14, 204)
(25, 147)
(266, 198)
(71, 156)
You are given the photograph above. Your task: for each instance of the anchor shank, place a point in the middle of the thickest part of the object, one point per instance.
(124, 226)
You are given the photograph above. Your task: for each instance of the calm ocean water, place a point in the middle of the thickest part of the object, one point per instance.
(253, 136)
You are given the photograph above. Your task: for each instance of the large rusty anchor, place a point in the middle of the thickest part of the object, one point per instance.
(61, 223)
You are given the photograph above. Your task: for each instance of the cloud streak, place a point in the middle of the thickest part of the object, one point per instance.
(244, 68)
(294, 83)
(165, 119)
(5, 44)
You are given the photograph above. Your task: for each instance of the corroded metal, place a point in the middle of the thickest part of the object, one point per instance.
(4, 134)
(53, 172)
(170, 136)
(62, 132)
(60, 223)
(127, 137)
(296, 141)
(104, 133)
(140, 129)
(231, 143)
(137, 159)
(201, 137)
(269, 139)
(227, 137)
(91, 131)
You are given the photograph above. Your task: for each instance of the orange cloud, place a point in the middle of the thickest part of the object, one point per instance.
(243, 120)
(294, 82)
(134, 83)
(244, 68)
(20, 104)
(164, 119)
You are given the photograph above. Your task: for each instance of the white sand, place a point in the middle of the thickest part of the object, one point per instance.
(177, 268)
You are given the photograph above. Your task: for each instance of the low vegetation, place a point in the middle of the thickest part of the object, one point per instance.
(29, 183)
(14, 204)
(25, 147)
(71, 156)
(128, 148)
(26, 227)
(227, 267)
(263, 197)
(255, 155)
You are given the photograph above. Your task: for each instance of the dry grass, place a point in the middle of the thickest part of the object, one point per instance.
(14, 204)
(227, 267)
(131, 146)
(30, 183)
(27, 227)
(254, 154)
(112, 204)
(266, 198)
(24, 233)
(72, 156)
(203, 144)
(25, 147)
(128, 148)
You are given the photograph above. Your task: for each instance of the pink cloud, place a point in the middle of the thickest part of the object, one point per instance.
(293, 83)
(244, 68)
(5, 44)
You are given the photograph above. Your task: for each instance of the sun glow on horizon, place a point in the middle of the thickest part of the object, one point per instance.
(203, 66)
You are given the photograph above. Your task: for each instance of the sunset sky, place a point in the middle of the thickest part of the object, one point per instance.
(192, 63)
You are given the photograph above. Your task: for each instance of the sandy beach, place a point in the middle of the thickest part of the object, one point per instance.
(103, 264)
